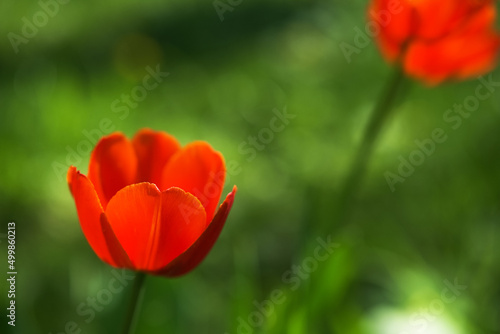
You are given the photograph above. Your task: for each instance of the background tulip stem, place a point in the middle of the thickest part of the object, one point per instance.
(133, 308)
(378, 118)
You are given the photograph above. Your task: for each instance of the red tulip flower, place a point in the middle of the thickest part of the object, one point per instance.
(438, 40)
(149, 204)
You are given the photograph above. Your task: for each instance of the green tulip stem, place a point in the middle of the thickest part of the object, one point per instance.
(135, 300)
(378, 118)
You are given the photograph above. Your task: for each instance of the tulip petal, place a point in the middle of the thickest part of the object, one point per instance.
(113, 165)
(155, 227)
(153, 150)
(182, 221)
(397, 26)
(188, 260)
(200, 170)
(133, 215)
(437, 21)
(451, 39)
(455, 57)
(93, 222)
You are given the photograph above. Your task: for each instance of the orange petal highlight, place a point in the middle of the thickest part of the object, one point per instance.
(133, 214)
(155, 227)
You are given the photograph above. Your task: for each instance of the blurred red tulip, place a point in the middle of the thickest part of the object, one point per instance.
(150, 205)
(438, 40)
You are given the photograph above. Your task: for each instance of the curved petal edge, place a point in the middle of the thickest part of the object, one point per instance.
(193, 256)
(93, 221)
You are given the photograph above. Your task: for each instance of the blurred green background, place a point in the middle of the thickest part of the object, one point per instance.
(394, 258)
